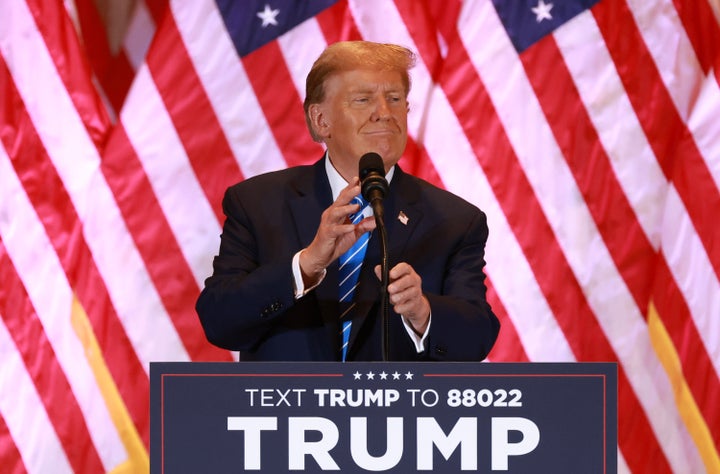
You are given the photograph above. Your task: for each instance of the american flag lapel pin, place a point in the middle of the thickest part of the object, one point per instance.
(403, 218)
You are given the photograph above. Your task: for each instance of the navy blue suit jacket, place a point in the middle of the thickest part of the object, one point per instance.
(248, 303)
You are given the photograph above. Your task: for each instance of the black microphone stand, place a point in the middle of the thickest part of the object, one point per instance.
(374, 188)
(385, 279)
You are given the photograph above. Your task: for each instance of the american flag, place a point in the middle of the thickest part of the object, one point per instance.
(588, 131)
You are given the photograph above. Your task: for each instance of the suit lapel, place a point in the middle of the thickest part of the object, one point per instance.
(311, 196)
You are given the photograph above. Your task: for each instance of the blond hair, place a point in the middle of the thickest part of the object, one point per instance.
(351, 55)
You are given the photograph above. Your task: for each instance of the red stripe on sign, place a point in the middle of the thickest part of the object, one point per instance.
(157, 245)
(281, 104)
(42, 365)
(188, 106)
(668, 135)
(535, 236)
(55, 210)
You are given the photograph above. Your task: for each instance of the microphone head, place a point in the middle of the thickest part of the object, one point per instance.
(369, 163)
(373, 184)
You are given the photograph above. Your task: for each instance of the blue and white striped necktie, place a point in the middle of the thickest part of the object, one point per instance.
(350, 263)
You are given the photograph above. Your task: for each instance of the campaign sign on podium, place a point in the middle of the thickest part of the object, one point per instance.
(383, 417)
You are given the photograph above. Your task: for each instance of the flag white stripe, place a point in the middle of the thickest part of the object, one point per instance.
(227, 87)
(631, 157)
(300, 47)
(172, 178)
(574, 227)
(663, 31)
(39, 446)
(38, 267)
(77, 162)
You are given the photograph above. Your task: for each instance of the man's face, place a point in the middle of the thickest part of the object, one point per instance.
(363, 111)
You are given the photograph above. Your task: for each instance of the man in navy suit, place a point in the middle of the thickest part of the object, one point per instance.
(273, 294)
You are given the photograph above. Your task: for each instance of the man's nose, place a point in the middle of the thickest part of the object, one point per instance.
(382, 109)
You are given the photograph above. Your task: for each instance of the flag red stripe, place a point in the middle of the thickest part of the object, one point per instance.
(10, 458)
(508, 347)
(337, 23)
(702, 29)
(157, 244)
(62, 225)
(445, 15)
(72, 66)
(39, 358)
(668, 135)
(189, 107)
(114, 72)
(117, 80)
(281, 104)
(696, 364)
(424, 31)
(157, 9)
(553, 273)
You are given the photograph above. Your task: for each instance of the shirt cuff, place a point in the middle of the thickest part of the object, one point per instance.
(300, 289)
(419, 341)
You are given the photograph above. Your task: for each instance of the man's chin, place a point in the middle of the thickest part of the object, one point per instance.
(389, 152)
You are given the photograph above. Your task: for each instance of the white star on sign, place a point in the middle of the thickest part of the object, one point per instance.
(268, 16)
(542, 11)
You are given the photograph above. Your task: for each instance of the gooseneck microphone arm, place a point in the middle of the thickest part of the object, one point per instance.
(374, 187)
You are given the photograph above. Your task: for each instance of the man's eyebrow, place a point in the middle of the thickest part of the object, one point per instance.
(370, 90)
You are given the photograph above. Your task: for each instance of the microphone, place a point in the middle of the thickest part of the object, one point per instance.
(374, 187)
(373, 184)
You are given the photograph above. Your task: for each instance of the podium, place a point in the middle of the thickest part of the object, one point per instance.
(399, 417)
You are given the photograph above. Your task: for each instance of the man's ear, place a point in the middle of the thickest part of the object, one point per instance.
(319, 121)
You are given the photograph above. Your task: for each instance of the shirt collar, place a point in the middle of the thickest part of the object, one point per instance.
(338, 183)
